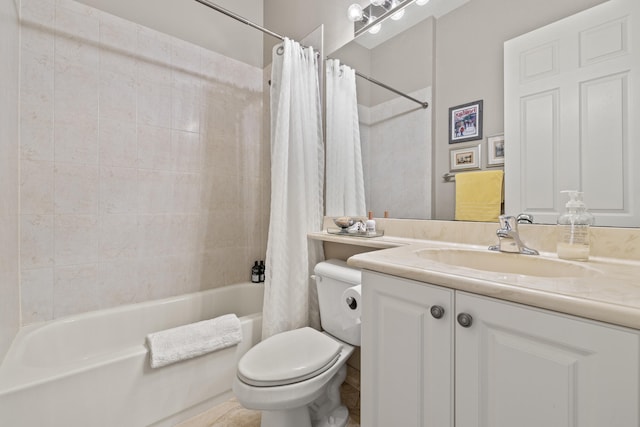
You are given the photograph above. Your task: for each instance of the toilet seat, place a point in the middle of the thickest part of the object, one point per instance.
(288, 357)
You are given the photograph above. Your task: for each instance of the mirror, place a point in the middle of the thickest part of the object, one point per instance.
(462, 61)
(395, 132)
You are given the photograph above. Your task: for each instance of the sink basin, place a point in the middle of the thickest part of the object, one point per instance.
(498, 262)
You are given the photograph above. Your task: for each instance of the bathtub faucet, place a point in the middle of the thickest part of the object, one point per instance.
(509, 238)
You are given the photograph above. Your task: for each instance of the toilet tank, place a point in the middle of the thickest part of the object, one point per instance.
(333, 277)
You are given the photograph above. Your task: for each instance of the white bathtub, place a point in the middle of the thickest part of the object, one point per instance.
(93, 369)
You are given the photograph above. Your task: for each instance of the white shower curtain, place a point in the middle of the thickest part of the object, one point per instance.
(345, 183)
(297, 168)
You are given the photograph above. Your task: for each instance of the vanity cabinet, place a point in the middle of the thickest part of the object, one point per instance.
(489, 363)
(407, 353)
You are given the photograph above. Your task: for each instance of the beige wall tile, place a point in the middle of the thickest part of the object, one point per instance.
(37, 295)
(140, 186)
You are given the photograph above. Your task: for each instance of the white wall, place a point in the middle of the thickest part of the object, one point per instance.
(9, 288)
(296, 19)
(196, 23)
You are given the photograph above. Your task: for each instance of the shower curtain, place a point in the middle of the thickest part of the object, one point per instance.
(345, 183)
(297, 169)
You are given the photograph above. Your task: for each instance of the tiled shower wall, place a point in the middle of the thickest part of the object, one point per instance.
(9, 290)
(396, 136)
(143, 168)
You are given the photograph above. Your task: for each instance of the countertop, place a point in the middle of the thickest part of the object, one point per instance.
(610, 292)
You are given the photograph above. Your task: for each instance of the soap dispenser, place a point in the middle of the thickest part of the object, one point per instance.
(573, 229)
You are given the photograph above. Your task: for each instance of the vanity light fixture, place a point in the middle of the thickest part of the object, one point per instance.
(355, 12)
(399, 14)
(370, 17)
(375, 29)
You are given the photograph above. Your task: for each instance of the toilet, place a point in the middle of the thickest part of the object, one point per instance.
(294, 377)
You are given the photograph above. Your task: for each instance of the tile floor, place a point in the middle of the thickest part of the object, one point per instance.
(232, 414)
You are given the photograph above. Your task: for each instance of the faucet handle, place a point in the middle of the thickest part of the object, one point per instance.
(508, 222)
(525, 218)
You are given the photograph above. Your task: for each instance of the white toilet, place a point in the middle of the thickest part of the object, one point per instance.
(294, 377)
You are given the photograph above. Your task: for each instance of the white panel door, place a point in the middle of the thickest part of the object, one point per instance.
(524, 367)
(572, 94)
(407, 353)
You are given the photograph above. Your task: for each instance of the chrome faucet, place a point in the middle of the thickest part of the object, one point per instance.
(509, 239)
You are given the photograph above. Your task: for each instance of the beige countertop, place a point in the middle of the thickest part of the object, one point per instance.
(608, 292)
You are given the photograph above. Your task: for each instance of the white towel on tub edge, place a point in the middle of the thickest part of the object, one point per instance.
(189, 341)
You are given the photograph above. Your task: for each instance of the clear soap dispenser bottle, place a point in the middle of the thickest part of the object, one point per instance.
(573, 229)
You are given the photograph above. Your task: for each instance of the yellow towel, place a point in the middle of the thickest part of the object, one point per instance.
(479, 195)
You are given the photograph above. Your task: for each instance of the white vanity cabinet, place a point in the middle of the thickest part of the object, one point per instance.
(510, 365)
(526, 367)
(407, 353)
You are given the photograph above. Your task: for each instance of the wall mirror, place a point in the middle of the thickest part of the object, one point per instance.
(397, 133)
(415, 60)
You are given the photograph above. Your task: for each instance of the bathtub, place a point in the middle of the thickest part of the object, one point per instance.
(93, 369)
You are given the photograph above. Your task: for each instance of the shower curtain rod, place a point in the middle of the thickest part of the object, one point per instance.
(278, 36)
(239, 18)
(424, 104)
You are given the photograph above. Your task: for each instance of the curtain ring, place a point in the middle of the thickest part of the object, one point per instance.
(280, 50)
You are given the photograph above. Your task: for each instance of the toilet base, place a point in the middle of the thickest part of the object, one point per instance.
(298, 417)
(338, 418)
(325, 411)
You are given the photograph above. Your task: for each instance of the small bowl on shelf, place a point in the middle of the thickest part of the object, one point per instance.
(344, 222)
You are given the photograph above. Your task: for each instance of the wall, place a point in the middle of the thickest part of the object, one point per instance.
(143, 172)
(296, 19)
(469, 66)
(199, 24)
(9, 71)
(405, 61)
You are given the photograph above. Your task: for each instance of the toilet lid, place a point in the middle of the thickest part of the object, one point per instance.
(288, 357)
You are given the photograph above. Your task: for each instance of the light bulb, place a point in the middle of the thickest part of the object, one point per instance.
(421, 2)
(355, 12)
(398, 15)
(375, 29)
(378, 2)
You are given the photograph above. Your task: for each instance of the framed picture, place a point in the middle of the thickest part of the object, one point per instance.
(465, 122)
(465, 158)
(495, 150)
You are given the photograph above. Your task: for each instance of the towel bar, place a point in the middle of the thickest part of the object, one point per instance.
(449, 177)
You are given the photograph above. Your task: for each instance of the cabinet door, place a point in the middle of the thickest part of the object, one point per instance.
(407, 353)
(520, 366)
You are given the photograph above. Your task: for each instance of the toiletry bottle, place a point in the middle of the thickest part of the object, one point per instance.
(573, 229)
(255, 273)
(261, 272)
(371, 224)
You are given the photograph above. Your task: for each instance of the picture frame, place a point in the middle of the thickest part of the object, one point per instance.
(465, 158)
(465, 122)
(495, 150)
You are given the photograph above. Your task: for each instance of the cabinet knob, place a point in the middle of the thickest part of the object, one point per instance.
(465, 320)
(437, 311)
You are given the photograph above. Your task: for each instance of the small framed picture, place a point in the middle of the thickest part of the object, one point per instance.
(465, 158)
(465, 122)
(495, 150)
